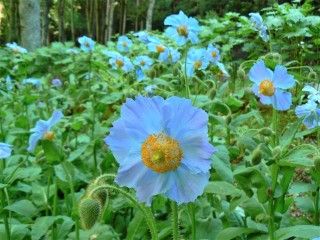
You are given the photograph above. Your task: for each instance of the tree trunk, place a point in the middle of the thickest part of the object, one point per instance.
(136, 20)
(149, 15)
(45, 22)
(88, 17)
(110, 24)
(62, 35)
(96, 13)
(73, 34)
(30, 23)
(108, 8)
(124, 17)
(13, 22)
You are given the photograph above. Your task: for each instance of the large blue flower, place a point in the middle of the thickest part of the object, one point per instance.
(182, 28)
(162, 148)
(124, 44)
(86, 44)
(270, 86)
(33, 81)
(196, 60)
(118, 61)
(143, 37)
(5, 150)
(42, 130)
(16, 48)
(166, 54)
(310, 112)
(259, 25)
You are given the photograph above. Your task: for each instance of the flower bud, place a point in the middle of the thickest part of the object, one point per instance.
(89, 210)
(256, 156)
(266, 131)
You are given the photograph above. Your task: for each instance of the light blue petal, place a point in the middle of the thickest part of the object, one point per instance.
(187, 185)
(282, 100)
(55, 118)
(33, 141)
(260, 72)
(282, 79)
(5, 150)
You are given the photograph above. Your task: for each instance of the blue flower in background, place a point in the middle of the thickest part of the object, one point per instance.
(150, 88)
(143, 37)
(86, 44)
(117, 61)
(5, 150)
(170, 55)
(162, 147)
(155, 45)
(42, 130)
(16, 48)
(259, 25)
(33, 81)
(124, 44)
(196, 60)
(213, 54)
(9, 83)
(270, 86)
(56, 82)
(310, 114)
(143, 61)
(182, 28)
(314, 94)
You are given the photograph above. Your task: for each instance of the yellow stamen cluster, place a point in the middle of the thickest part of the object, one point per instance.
(182, 30)
(48, 136)
(214, 54)
(161, 153)
(119, 63)
(266, 88)
(197, 64)
(142, 63)
(160, 48)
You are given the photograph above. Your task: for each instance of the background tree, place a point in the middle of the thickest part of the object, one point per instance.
(29, 11)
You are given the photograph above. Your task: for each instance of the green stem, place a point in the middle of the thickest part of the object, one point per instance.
(175, 221)
(185, 74)
(54, 210)
(2, 206)
(192, 214)
(316, 206)
(74, 200)
(146, 211)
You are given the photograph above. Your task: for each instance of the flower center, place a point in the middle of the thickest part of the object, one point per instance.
(214, 54)
(86, 44)
(160, 48)
(119, 63)
(182, 30)
(142, 63)
(197, 64)
(48, 136)
(161, 153)
(124, 44)
(266, 88)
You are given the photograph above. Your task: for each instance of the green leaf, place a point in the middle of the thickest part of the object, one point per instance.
(299, 231)
(23, 207)
(51, 151)
(232, 232)
(300, 156)
(222, 188)
(41, 226)
(221, 163)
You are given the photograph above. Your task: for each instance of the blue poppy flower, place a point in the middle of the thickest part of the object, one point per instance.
(162, 147)
(270, 86)
(143, 37)
(170, 55)
(143, 61)
(5, 150)
(118, 61)
(16, 48)
(33, 81)
(196, 60)
(56, 82)
(42, 130)
(310, 114)
(86, 44)
(9, 83)
(259, 25)
(182, 28)
(213, 54)
(150, 88)
(124, 44)
(314, 94)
